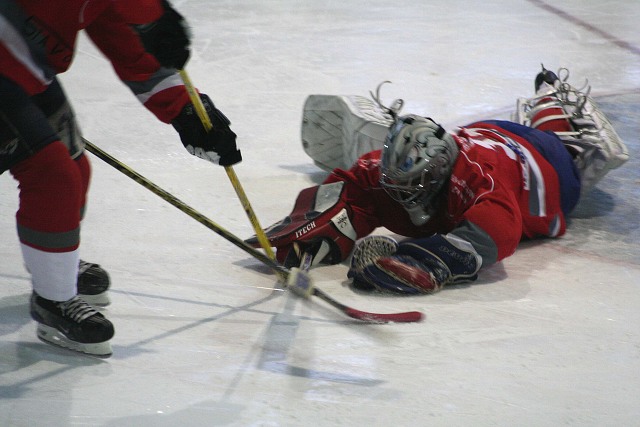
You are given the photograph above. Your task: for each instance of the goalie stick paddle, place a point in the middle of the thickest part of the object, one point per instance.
(300, 283)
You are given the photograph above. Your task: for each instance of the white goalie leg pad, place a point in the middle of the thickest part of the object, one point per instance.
(592, 136)
(601, 149)
(337, 130)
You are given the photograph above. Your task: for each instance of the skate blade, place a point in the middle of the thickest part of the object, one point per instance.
(51, 335)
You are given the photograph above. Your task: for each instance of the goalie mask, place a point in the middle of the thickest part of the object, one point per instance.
(417, 159)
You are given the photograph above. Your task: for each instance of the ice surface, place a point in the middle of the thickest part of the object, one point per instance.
(547, 337)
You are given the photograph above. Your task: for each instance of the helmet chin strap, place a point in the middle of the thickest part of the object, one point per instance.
(418, 214)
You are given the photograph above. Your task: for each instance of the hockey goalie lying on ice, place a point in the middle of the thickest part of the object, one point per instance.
(464, 199)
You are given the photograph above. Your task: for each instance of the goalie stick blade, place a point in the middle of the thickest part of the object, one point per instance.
(365, 316)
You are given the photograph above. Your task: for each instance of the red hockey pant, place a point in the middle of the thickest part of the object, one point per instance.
(53, 189)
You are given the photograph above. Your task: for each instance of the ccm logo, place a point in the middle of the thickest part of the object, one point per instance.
(304, 230)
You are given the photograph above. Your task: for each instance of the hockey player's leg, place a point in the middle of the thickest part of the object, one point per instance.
(51, 196)
(578, 121)
(337, 130)
(93, 281)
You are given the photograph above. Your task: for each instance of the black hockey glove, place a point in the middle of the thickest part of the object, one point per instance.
(168, 38)
(218, 145)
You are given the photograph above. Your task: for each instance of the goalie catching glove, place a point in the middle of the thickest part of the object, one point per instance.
(415, 266)
(320, 224)
(217, 145)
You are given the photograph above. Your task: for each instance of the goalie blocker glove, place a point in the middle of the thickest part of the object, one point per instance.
(168, 38)
(320, 224)
(418, 266)
(217, 145)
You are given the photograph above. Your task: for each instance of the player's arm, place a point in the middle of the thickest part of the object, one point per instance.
(162, 91)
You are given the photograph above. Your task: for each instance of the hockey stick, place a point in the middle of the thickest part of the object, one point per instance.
(297, 280)
(170, 198)
(235, 182)
(300, 284)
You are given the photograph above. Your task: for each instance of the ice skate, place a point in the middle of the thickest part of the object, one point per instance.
(72, 324)
(337, 130)
(578, 121)
(93, 284)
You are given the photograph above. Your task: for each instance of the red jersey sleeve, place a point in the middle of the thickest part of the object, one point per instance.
(38, 41)
(481, 200)
(161, 90)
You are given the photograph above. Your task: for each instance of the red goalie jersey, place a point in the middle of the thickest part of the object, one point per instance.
(501, 190)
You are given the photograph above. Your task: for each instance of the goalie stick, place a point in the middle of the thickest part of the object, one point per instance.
(297, 280)
(300, 284)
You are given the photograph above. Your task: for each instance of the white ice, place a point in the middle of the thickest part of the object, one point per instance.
(548, 337)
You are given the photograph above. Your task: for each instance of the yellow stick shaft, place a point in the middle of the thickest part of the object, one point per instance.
(206, 122)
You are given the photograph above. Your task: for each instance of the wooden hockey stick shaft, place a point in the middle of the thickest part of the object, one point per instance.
(235, 182)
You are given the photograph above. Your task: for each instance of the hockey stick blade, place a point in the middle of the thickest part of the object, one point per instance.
(300, 284)
(366, 316)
